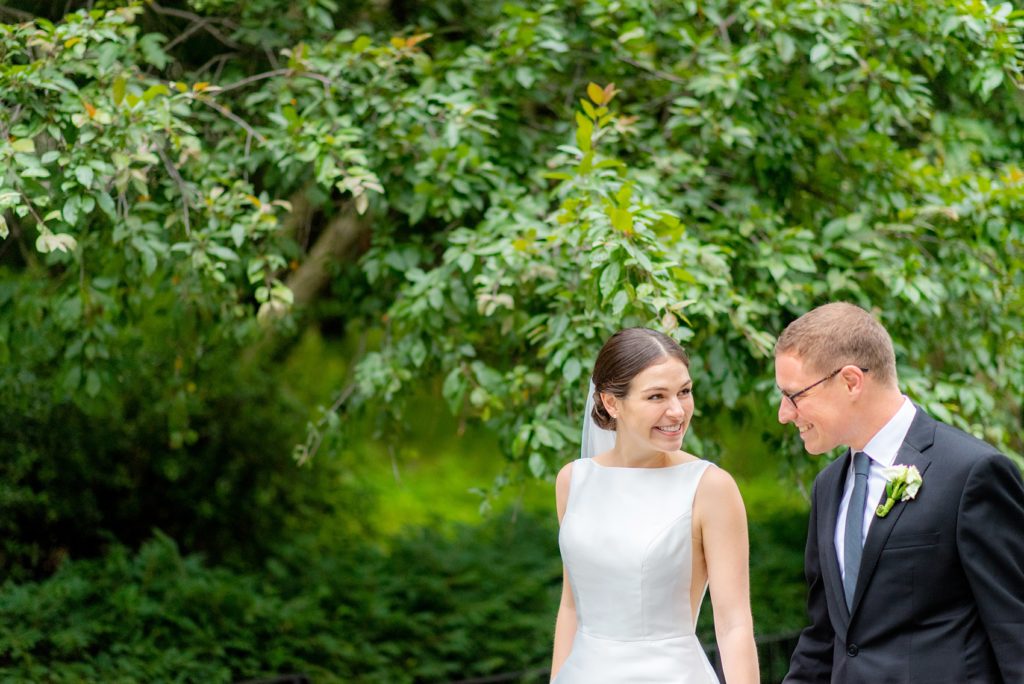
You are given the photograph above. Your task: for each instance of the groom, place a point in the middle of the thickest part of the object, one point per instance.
(933, 591)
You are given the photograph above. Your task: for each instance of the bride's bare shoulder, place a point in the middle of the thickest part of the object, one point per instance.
(562, 482)
(717, 494)
(564, 476)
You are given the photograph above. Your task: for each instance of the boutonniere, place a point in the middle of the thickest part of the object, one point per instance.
(902, 483)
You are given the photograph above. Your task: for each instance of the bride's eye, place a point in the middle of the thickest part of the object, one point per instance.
(686, 392)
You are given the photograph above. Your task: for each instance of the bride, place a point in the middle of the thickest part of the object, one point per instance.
(646, 528)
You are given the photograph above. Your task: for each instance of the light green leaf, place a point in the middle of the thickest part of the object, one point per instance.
(784, 45)
(84, 174)
(152, 51)
(819, 52)
(571, 370)
(992, 80)
(620, 302)
(70, 211)
(525, 77)
(26, 145)
(609, 279)
(632, 34)
(537, 465)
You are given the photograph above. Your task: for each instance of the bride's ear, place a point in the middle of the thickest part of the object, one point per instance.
(610, 406)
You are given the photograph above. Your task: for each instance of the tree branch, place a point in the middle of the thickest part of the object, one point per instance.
(182, 186)
(339, 239)
(672, 78)
(219, 60)
(16, 13)
(227, 113)
(196, 22)
(186, 34)
(273, 74)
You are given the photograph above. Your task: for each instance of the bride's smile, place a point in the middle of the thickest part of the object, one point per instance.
(654, 416)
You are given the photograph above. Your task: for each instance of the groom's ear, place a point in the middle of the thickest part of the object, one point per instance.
(853, 377)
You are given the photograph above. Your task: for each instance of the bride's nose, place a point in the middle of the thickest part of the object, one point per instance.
(675, 408)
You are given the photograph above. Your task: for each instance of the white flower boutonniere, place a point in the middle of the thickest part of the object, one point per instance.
(903, 484)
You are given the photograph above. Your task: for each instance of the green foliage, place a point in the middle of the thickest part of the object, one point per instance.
(192, 443)
(753, 159)
(778, 530)
(516, 182)
(767, 158)
(433, 608)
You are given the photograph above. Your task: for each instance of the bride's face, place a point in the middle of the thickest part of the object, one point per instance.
(656, 412)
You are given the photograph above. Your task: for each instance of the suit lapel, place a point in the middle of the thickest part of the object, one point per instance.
(918, 440)
(833, 492)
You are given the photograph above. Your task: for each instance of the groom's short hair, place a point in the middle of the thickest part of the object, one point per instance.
(840, 334)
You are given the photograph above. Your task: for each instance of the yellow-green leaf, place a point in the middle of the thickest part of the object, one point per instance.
(26, 145)
(622, 220)
(154, 90)
(119, 86)
(583, 133)
(596, 93)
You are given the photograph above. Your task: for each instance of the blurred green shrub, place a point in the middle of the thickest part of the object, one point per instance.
(777, 516)
(436, 607)
(201, 452)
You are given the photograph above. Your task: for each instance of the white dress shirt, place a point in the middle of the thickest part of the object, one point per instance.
(881, 451)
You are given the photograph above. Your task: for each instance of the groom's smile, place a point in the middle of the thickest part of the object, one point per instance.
(819, 414)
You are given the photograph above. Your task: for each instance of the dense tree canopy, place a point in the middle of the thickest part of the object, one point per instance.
(236, 235)
(482, 192)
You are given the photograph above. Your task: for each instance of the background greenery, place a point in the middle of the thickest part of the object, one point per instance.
(291, 292)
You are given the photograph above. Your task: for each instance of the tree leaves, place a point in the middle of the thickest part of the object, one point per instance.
(804, 150)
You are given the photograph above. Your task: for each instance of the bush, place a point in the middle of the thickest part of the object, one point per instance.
(203, 455)
(435, 607)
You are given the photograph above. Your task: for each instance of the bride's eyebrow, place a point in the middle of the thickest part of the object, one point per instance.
(665, 389)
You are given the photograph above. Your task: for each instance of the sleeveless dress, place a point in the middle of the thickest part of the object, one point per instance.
(626, 542)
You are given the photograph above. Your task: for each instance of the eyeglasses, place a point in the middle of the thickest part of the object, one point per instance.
(793, 397)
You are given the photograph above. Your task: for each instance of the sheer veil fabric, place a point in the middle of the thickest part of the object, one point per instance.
(595, 440)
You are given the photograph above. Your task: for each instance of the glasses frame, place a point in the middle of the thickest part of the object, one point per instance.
(795, 395)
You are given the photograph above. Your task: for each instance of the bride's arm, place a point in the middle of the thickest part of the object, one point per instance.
(565, 624)
(565, 627)
(723, 525)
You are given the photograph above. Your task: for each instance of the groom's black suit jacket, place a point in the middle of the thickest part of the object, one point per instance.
(940, 595)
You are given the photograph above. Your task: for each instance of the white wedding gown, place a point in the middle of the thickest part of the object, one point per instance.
(626, 542)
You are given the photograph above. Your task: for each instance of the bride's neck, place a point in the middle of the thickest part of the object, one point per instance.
(624, 457)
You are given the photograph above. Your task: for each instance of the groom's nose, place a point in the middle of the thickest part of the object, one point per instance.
(787, 413)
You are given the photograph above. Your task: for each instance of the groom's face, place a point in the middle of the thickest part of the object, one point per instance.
(820, 414)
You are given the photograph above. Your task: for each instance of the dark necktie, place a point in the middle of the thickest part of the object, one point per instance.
(853, 546)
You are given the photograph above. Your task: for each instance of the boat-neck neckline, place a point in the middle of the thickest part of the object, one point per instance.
(669, 467)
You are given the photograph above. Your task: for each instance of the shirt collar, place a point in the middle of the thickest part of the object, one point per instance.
(883, 447)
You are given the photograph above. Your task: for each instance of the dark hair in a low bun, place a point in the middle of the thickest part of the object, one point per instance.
(625, 355)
